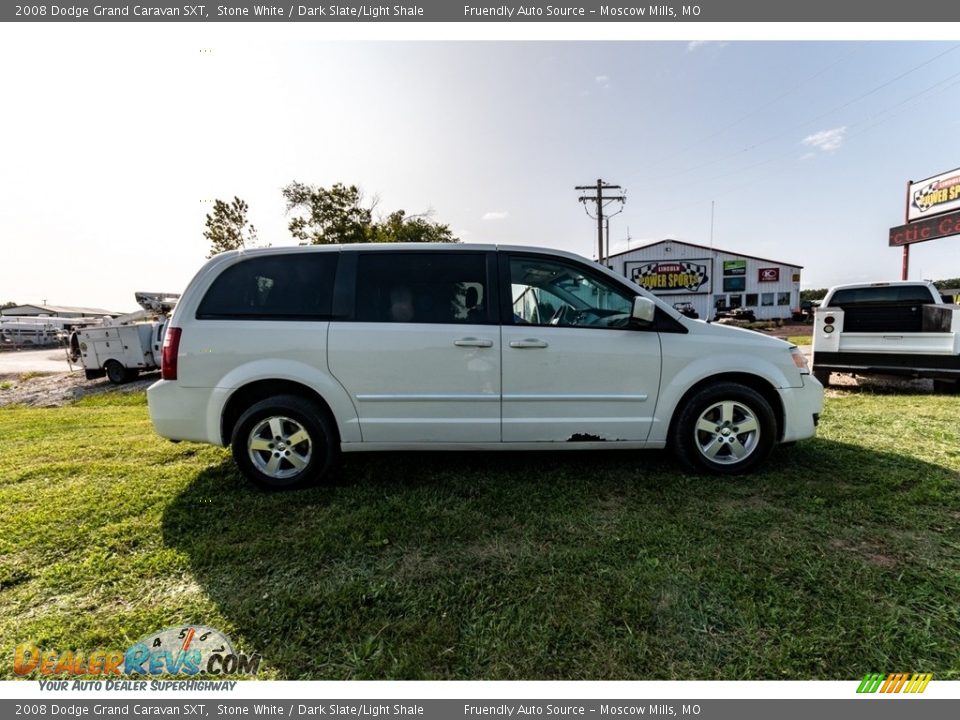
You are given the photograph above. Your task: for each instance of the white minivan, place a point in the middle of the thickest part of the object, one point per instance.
(292, 355)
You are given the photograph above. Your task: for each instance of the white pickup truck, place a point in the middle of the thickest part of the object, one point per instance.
(888, 328)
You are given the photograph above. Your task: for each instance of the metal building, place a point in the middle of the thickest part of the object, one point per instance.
(711, 279)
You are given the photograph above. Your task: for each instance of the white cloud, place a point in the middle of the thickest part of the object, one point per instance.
(603, 81)
(495, 215)
(826, 140)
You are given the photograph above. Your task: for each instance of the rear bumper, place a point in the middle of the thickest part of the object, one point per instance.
(801, 409)
(179, 413)
(923, 366)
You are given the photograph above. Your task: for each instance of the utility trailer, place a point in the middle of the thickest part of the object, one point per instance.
(892, 328)
(121, 348)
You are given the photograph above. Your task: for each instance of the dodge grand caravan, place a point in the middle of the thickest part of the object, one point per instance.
(292, 355)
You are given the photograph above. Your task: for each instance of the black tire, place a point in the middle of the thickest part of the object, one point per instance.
(116, 373)
(823, 376)
(277, 464)
(725, 406)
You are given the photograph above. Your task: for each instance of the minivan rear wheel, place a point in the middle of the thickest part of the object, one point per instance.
(283, 442)
(726, 428)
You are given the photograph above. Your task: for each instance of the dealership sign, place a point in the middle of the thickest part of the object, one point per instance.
(930, 229)
(768, 275)
(734, 267)
(933, 196)
(667, 277)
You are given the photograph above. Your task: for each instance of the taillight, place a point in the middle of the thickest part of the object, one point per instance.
(168, 355)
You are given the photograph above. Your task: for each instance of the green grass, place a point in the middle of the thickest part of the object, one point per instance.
(841, 557)
(800, 339)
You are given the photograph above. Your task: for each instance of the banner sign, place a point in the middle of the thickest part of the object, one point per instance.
(934, 196)
(768, 275)
(935, 227)
(599, 11)
(671, 277)
(885, 703)
(734, 267)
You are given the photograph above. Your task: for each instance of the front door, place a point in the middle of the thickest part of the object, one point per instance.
(574, 366)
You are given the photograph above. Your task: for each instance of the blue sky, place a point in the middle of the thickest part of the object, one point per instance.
(805, 147)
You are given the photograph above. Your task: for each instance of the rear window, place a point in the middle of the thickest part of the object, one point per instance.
(297, 286)
(881, 294)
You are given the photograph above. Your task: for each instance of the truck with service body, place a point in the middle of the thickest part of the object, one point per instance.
(123, 347)
(888, 328)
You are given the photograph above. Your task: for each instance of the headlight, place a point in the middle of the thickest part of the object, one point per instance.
(800, 360)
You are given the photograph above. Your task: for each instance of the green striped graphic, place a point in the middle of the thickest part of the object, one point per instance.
(870, 683)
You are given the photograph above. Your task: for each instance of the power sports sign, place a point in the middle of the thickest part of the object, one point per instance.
(933, 196)
(671, 277)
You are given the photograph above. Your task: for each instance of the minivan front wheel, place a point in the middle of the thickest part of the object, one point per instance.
(283, 442)
(726, 428)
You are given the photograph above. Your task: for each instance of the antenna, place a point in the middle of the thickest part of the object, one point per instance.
(711, 224)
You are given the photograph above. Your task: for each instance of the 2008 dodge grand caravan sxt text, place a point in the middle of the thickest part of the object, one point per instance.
(291, 355)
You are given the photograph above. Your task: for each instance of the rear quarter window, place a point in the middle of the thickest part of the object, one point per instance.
(296, 286)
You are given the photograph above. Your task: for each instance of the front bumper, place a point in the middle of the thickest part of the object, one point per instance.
(802, 407)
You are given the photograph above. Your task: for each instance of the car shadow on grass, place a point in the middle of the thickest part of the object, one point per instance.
(590, 565)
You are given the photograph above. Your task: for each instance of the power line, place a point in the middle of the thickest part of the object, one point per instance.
(763, 106)
(808, 121)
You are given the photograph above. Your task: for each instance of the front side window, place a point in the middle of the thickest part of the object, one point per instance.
(285, 286)
(428, 287)
(551, 292)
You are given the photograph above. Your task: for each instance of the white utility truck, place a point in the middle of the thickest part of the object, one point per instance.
(888, 328)
(121, 348)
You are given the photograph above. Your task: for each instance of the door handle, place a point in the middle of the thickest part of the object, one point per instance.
(528, 343)
(473, 342)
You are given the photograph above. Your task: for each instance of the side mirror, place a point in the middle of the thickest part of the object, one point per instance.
(643, 309)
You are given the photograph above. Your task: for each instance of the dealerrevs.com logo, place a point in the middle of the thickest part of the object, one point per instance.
(185, 650)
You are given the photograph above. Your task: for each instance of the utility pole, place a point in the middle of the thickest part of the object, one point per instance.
(601, 202)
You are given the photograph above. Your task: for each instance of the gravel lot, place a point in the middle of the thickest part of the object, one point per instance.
(55, 389)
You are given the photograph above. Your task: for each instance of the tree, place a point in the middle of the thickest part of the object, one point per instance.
(816, 294)
(399, 227)
(339, 215)
(8, 305)
(328, 216)
(944, 284)
(228, 227)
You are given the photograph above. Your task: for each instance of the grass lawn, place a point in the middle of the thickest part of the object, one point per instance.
(842, 557)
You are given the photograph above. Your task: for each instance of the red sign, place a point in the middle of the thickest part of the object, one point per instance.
(768, 275)
(921, 230)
